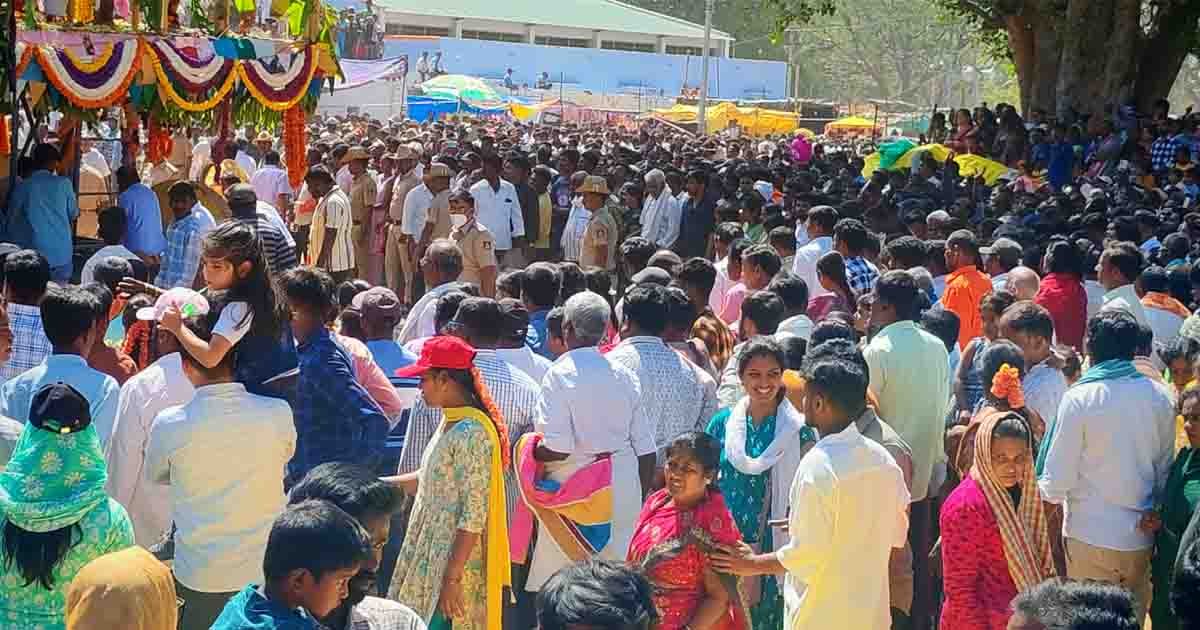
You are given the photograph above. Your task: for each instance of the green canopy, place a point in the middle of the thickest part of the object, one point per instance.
(460, 86)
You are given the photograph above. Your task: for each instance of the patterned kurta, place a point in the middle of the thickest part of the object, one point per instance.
(745, 495)
(452, 495)
(104, 529)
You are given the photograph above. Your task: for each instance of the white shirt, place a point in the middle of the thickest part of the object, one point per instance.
(1165, 325)
(848, 510)
(95, 159)
(524, 359)
(344, 179)
(87, 274)
(247, 163)
(1109, 458)
(1044, 387)
(1124, 298)
(423, 316)
(1095, 297)
(804, 264)
(499, 211)
(590, 405)
(416, 211)
(798, 325)
(270, 182)
(671, 397)
(223, 454)
(201, 158)
(161, 385)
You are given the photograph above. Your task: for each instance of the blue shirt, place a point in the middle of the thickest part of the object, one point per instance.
(537, 336)
(1060, 164)
(251, 610)
(52, 200)
(100, 390)
(144, 232)
(390, 356)
(336, 419)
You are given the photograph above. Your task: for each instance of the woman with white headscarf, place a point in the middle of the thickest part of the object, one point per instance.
(660, 211)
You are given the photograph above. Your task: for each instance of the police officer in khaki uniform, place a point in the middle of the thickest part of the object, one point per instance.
(398, 269)
(363, 197)
(600, 237)
(477, 245)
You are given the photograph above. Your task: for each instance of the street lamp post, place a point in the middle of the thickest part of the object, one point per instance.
(701, 120)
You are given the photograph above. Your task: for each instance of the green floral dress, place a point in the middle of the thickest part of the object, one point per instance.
(745, 494)
(56, 481)
(452, 495)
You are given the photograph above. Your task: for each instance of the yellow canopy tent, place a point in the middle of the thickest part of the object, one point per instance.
(524, 112)
(851, 123)
(754, 121)
(968, 165)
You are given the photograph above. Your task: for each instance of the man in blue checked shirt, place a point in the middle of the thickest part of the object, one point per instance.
(336, 419)
(181, 261)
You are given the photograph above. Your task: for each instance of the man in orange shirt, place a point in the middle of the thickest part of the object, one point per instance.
(965, 285)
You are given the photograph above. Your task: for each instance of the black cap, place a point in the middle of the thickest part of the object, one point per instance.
(515, 321)
(60, 408)
(241, 194)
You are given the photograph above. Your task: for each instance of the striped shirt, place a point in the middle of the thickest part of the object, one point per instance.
(280, 255)
(516, 395)
(333, 212)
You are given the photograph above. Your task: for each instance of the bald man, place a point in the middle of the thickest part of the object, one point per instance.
(1022, 282)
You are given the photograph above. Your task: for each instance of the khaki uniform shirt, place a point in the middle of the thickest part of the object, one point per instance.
(478, 247)
(363, 194)
(601, 231)
(439, 216)
(404, 184)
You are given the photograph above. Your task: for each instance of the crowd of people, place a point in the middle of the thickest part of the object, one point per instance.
(479, 374)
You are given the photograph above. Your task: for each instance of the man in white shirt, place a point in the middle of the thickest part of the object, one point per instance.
(497, 207)
(1119, 266)
(243, 159)
(819, 227)
(441, 266)
(159, 386)
(661, 212)
(223, 454)
(1030, 327)
(271, 183)
(512, 347)
(849, 507)
(201, 158)
(1107, 461)
(671, 395)
(591, 406)
(94, 158)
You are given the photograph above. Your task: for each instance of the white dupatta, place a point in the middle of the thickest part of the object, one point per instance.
(782, 457)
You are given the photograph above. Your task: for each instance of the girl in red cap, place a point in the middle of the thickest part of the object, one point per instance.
(455, 560)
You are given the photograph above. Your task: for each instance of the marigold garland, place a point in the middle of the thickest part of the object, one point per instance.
(294, 135)
(167, 89)
(5, 140)
(1006, 386)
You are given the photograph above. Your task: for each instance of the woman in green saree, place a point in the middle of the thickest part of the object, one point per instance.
(1178, 502)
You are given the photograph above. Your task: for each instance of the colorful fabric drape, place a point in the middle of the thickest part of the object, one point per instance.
(90, 87)
(671, 545)
(192, 74)
(577, 514)
(279, 91)
(1022, 527)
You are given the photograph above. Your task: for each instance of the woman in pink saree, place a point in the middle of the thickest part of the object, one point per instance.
(677, 529)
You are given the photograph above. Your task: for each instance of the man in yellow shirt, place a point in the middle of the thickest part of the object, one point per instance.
(542, 177)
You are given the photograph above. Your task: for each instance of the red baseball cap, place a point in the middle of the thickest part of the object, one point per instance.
(445, 352)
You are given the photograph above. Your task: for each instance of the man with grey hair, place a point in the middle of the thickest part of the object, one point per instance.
(590, 410)
(441, 265)
(660, 212)
(1023, 283)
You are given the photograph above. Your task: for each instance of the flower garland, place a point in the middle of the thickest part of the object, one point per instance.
(279, 92)
(105, 86)
(294, 135)
(168, 90)
(193, 76)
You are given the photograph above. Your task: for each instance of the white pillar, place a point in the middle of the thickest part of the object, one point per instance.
(725, 48)
(595, 39)
(660, 45)
(457, 29)
(530, 34)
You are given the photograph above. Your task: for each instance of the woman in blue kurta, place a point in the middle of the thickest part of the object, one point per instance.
(763, 438)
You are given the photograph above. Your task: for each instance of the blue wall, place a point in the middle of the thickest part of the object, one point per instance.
(606, 71)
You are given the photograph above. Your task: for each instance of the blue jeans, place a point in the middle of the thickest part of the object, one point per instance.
(61, 274)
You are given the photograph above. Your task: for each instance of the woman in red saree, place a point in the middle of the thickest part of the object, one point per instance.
(678, 527)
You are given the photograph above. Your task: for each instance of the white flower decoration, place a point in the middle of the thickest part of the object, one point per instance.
(33, 487)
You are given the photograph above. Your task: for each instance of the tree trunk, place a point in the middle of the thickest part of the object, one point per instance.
(1024, 52)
